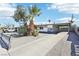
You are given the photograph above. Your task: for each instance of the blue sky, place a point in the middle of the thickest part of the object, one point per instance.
(55, 12)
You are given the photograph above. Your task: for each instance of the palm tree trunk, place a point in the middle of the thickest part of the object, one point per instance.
(32, 26)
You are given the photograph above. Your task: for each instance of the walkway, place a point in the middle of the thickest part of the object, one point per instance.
(75, 44)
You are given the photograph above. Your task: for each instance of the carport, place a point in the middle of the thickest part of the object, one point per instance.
(62, 27)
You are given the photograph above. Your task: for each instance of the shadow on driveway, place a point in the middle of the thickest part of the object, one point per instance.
(75, 41)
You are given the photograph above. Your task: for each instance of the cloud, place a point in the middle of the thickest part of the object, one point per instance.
(66, 7)
(65, 20)
(7, 20)
(6, 9)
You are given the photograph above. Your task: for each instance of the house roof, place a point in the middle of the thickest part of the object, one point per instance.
(59, 24)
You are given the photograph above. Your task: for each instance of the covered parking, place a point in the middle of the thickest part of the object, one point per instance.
(62, 27)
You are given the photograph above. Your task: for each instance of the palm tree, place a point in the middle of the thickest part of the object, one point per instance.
(33, 12)
(21, 16)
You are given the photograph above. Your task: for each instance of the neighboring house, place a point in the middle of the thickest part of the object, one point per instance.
(47, 27)
(62, 27)
(58, 27)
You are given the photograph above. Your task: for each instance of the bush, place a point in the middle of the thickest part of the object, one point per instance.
(22, 30)
(35, 32)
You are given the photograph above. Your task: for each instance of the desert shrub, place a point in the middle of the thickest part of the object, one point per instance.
(35, 32)
(22, 30)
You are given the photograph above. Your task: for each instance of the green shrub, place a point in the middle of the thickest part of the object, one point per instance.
(35, 32)
(22, 30)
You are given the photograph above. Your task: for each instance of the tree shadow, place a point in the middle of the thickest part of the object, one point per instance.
(3, 44)
(75, 41)
(73, 53)
(48, 32)
(72, 45)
